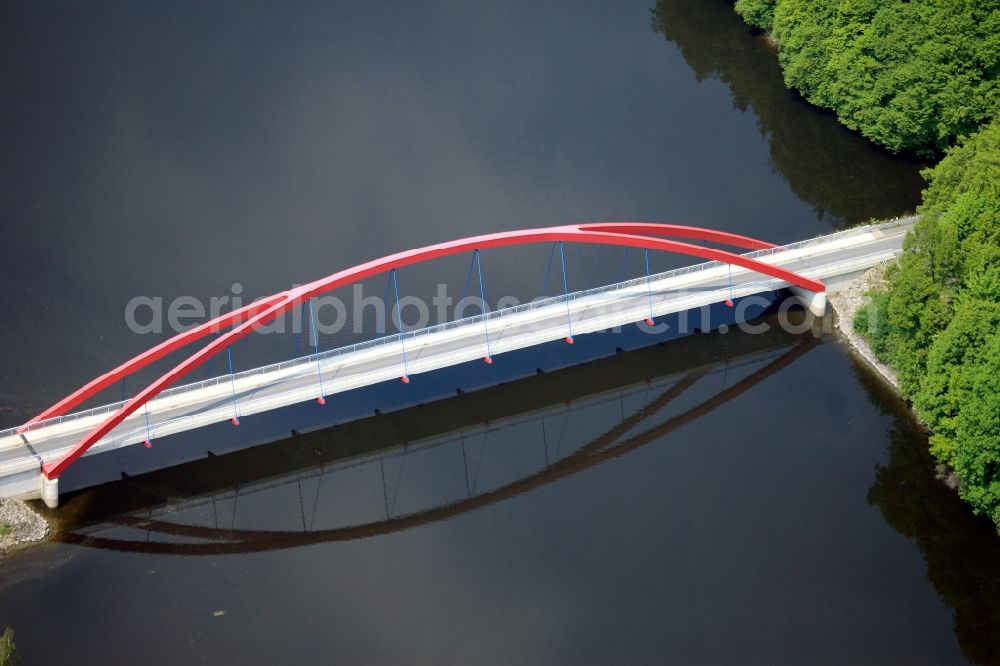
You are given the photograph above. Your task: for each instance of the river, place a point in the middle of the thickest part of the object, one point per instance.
(779, 506)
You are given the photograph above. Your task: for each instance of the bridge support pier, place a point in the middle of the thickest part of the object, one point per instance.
(814, 301)
(50, 491)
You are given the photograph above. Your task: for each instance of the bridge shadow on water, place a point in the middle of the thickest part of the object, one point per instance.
(428, 463)
(391, 472)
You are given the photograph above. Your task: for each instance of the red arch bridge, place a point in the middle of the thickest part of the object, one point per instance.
(35, 454)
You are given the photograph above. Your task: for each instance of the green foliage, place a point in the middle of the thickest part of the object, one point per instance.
(4, 529)
(872, 322)
(834, 171)
(8, 651)
(921, 75)
(976, 431)
(910, 75)
(938, 324)
(961, 554)
(759, 13)
(944, 387)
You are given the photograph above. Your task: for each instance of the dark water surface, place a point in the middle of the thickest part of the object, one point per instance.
(176, 149)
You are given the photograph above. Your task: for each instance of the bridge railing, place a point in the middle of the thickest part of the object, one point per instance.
(535, 304)
(827, 238)
(160, 428)
(373, 343)
(164, 428)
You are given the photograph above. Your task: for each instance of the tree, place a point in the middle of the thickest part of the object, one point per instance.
(938, 321)
(921, 75)
(759, 13)
(908, 75)
(976, 455)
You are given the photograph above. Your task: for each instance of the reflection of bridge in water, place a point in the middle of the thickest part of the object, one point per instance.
(387, 489)
(34, 455)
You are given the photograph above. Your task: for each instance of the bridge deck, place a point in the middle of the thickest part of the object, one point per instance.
(194, 405)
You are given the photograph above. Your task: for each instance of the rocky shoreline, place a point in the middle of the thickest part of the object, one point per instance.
(19, 525)
(845, 304)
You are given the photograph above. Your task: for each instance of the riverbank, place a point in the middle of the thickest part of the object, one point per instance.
(845, 304)
(19, 525)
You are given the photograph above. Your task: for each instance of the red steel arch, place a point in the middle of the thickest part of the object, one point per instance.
(246, 319)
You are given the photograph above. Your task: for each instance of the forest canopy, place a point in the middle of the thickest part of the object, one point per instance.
(938, 324)
(922, 76)
(911, 76)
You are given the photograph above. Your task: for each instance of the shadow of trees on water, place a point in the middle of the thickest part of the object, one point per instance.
(962, 551)
(845, 177)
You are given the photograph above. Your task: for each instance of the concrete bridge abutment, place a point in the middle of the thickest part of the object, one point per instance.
(814, 301)
(49, 491)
